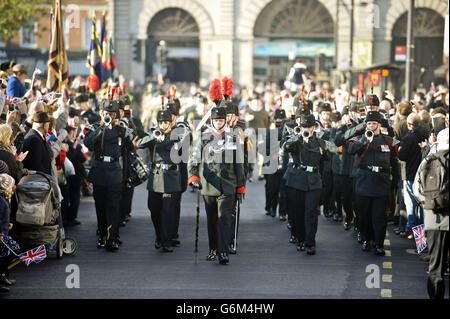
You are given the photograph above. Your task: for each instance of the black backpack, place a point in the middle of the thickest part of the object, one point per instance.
(434, 181)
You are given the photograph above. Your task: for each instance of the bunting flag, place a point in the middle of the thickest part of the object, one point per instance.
(58, 63)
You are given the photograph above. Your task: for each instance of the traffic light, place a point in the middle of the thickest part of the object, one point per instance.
(137, 51)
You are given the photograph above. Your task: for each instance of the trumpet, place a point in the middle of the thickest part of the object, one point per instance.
(369, 135)
(306, 134)
(107, 120)
(158, 134)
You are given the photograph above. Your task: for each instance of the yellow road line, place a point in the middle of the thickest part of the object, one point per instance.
(387, 278)
(387, 265)
(386, 293)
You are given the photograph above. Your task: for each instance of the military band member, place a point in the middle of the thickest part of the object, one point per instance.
(303, 178)
(107, 142)
(375, 165)
(164, 181)
(216, 167)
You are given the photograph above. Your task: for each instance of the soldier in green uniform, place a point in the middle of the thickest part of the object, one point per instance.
(341, 166)
(164, 181)
(219, 173)
(181, 132)
(107, 142)
(273, 180)
(375, 165)
(235, 127)
(304, 178)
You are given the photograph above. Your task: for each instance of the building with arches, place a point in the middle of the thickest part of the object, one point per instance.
(253, 39)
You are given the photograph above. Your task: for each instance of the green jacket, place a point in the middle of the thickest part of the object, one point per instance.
(164, 174)
(218, 164)
(305, 156)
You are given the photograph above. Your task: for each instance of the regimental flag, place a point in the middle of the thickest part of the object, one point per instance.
(112, 62)
(36, 255)
(58, 63)
(98, 59)
(419, 236)
(105, 68)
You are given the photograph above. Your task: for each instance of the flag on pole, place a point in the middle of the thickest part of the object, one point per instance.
(36, 255)
(419, 236)
(58, 63)
(94, 59)
(112, 62)
(105, 68)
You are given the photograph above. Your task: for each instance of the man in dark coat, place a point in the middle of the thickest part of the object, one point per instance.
(40, 155)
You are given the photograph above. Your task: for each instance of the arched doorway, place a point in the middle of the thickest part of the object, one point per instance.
(288, 29)
(428, 31)
(180, 33)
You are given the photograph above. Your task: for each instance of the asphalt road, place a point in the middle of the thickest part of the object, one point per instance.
(266, 265)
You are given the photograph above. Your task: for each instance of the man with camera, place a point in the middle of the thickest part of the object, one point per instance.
(106, 141)
(304, 181)
(376, 163)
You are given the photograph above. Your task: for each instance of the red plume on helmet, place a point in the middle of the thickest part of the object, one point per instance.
(162, 100)
(227, 87)
(173, 89)
(215, 91)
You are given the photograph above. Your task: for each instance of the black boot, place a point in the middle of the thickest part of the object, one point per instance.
(231, 249)
(212, 255)
(167, 249)
(112, 246)
(365, 246)
(379, 251)
(301, 246)
(223, 258)
(101, 242)
(311, 250)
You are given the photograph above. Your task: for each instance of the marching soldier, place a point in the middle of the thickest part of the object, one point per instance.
(183, 133)
(341, 165)
(235, 127)
(164, 181)
(220, 176)
(127, 189)
(375, 164)
(107, 142)
(287, 127)
(323, 132)
(304, 180)
(273, 181)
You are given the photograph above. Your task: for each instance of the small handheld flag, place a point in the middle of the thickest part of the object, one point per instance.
(36, 255)
(419, 236)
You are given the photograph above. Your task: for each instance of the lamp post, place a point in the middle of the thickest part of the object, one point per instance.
(409, 51)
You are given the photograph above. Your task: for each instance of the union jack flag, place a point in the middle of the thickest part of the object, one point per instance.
(37, 255)
(421, 241)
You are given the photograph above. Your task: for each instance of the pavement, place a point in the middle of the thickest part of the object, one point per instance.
(266, 266)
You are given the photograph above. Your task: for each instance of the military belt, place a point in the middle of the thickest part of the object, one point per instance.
(376, 169)
(165, 166)
(107, 159)
(306, 168)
